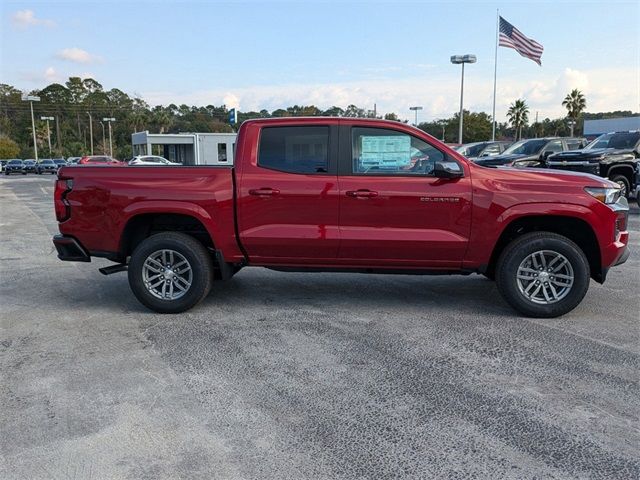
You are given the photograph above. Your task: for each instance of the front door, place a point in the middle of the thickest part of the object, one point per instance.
(288, 197)
(393, 211)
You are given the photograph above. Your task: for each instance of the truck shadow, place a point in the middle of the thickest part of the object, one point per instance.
(261, 288)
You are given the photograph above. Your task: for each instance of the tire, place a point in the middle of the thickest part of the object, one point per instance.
(514, 265)
(143, 267)
(623, 182)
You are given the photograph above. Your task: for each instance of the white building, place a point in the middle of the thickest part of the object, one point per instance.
(187, 148)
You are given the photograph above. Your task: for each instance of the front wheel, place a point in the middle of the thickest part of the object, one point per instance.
(625, 186)
(543, 275)
(170, 272)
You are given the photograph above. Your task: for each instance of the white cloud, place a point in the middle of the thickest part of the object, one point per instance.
(27, 18)
(77, 55)
(50, 75)
(605, 89)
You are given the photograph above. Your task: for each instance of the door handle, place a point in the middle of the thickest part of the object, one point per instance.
(362, 193)
(264, 192)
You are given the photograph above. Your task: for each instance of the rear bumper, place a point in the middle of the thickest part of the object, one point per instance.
(70, 250)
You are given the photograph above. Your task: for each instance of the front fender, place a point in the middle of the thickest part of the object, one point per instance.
(488, 225)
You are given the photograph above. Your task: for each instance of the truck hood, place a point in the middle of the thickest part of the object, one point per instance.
(543, 178)
(589, 154)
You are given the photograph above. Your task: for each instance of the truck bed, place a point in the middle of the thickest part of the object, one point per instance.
(105, 200)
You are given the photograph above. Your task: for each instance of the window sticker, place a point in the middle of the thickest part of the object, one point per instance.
(385, 152)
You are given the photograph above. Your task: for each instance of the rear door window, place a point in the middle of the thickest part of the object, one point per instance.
(303, 150)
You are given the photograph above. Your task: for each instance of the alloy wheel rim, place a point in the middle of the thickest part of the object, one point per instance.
(545, 277)
(167, 274)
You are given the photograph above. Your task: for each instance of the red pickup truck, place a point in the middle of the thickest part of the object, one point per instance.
(339, 194)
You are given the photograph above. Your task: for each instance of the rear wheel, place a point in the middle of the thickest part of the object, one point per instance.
(622, 181)
(170, 272)
(542, 274)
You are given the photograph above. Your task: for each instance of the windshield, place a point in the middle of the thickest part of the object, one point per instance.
(29, 162)
(47, 162)
(59, 161)
(615, 140)
(471, 150)
(526, 147)
(15, 162)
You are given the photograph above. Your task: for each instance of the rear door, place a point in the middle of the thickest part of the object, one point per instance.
(393, 211)
(288, 195)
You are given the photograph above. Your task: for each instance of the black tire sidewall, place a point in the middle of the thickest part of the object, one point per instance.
(617, 177)
(514, 254)
(196, 255)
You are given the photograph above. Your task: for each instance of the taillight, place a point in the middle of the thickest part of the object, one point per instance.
(62, 207)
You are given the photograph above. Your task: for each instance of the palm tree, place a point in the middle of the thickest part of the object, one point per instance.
(575, 103)
(518, 115)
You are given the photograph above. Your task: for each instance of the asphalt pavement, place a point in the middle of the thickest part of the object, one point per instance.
(305, 376)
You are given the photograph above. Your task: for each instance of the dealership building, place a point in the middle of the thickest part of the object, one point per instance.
(593, 128)
(187, 148)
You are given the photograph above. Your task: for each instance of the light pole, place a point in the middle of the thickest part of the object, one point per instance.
(109, 120)
(457, 60)
(48, 131)
(415, 109)
(571, 123)
(91, 131)
(104, 141)
(31, 99)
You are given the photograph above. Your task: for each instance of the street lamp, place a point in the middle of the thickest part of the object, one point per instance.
(109, 120)
(91, 131)
(31, 99)
(415, 109)
(48, 131)
(104, 141)
(571, 123)
(461, 60)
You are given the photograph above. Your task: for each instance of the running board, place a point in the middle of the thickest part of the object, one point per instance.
(120, 267)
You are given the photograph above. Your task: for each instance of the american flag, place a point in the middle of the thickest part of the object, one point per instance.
(511, 37)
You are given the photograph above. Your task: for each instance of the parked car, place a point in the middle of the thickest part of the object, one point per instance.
(3, 162)
(47, 166)
(60, 162)
(73, 160)
(14, 166)
(482, 149)
(638, 184)
(612, 155)
(29, 166)
(531, 152)
(299, 199)
(151, 160)
(99, 160)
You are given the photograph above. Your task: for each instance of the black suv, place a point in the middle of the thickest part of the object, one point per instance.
(532, 152)
(612, 155)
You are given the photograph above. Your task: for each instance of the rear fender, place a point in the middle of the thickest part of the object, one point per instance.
(170, 207)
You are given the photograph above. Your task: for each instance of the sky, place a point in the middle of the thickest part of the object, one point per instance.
(274, 54)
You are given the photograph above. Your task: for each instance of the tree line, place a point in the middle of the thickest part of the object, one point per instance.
(79, 106)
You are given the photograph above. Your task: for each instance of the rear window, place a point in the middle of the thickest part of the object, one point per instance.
(295, 149)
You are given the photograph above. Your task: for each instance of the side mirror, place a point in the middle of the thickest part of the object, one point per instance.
(545, 155)
(446, 169)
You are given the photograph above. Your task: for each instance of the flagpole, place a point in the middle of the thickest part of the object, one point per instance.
(495, 77)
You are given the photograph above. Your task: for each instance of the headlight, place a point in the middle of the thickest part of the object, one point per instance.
(605, 195)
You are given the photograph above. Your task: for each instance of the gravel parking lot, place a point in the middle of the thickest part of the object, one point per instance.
(284, 375)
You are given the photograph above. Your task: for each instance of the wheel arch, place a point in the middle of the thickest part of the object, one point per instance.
(144, 222)
(576, 229)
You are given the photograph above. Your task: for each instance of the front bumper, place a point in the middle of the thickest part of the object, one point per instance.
(70, 249)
